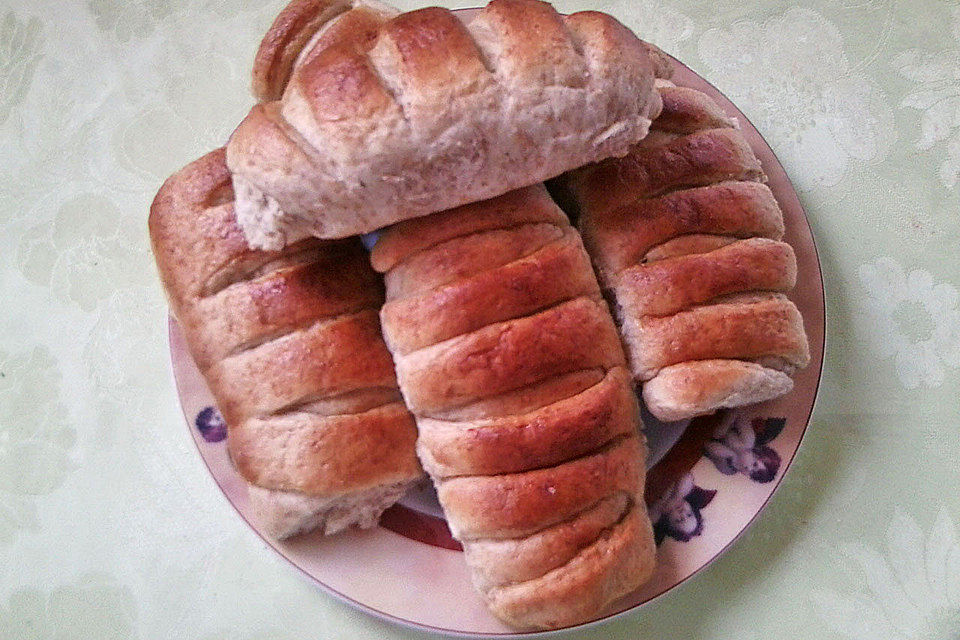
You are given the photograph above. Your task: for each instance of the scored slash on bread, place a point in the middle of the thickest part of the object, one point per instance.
(290, 345)
(748, 328)
(568, 427)
(534, 274)
(529, 427)
(502, 357)
(645, 230)
(370, 118)
(687, 242)
(691, 276)
(304, 29)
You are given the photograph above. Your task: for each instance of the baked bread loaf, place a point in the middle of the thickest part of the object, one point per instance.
(509, 359)
(428, 114)
(687, 240)
(290, 344)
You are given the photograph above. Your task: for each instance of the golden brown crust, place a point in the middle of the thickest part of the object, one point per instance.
(670, 285)
(357, 28)
(571, 427)
(769, 326)
(687, 245)
(338, 83)
(556, 272)
(466, 256)
(519, 504)
(701, 158)
(338, 282)
(435, 57)
(192, 232)
(285, 39)
(509, 355)
(623, 236)
(326, 455)
(529, 205)
(620, 559)
(528, 398)
(551, 58)
(357, 401)
(495, 563)
(320, 360)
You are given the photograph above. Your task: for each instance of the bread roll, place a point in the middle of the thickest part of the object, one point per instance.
(427, 113)
(290, 345)
(687, 240)
(528, 423)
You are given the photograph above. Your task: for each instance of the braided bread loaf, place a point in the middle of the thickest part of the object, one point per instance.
(429, 113)
(290, 344)
(687, 239)
(510, 361)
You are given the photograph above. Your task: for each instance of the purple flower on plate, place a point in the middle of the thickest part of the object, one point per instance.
(677, 513)
(738, 446)
(211, 425)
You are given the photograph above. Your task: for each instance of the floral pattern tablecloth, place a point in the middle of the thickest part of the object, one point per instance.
(110, 526)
